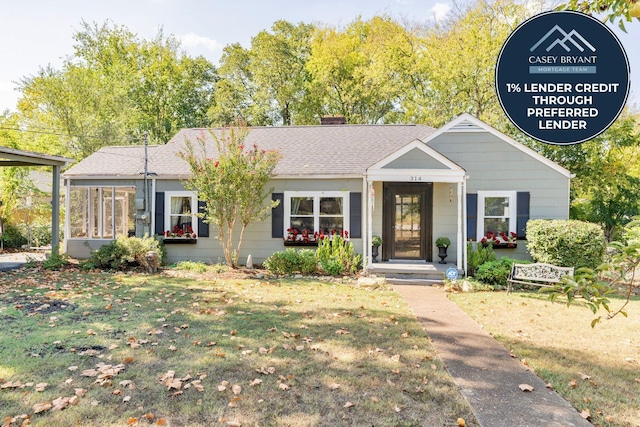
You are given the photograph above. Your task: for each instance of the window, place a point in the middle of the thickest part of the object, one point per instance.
(101, 212)
(317, 211)
(180, 212)
(496, 212)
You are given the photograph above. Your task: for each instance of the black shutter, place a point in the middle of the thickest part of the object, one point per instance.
(277, 216)
(355, 215)
(159, 215)
(522, 205)
(472, 216)
(203, 227)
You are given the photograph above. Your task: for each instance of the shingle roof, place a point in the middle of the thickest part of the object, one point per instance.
(306, 150)
(115, 161)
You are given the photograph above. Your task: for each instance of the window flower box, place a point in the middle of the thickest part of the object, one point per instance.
(500, 240)
(295, 237)
(179, 235)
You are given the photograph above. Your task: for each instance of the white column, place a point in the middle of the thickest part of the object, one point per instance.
(460, 234)
(369, 227)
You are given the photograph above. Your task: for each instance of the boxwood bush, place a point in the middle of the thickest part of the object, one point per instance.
(566, 243)
(292, 261)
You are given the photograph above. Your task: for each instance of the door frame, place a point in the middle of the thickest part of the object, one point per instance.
(389, 190)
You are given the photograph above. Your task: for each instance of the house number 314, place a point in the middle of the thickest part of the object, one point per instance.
(415, 178)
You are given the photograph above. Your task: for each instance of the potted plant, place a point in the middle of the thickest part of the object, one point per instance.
(376, 241)
(442, 243)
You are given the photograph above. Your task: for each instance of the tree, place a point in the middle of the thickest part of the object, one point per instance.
(460, 59)
(360, 72)
(620, 10)
(232, 183)
(266, 84)
(607, 182)
(115, 87)
(617, 276)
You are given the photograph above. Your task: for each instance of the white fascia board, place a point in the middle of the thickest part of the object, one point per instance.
(416, 175)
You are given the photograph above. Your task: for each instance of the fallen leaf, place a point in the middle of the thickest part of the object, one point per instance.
(255, 382)
(41, 386)
(584, 376)
(41, 407)
(461, 422)
(397, 409)
(234, 423)
(149, 416)
(126, 399)
(132, 421)
(161, 422)
(236, 389)
(526, 387)
(73, 368)
(334, 386)
(223, 385)
(80, 392)
(573, 384)
(349, 405)
(585, 414)
(284, 386)
(405, 334)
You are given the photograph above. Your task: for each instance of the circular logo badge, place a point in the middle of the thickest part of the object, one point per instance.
(452, 273)
(562, 77)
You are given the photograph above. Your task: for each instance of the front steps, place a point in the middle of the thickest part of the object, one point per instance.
(411, 272)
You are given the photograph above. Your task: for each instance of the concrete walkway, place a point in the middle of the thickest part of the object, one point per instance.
(488, 377)
(15, 260)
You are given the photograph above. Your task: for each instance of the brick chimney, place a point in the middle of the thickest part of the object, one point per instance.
(333, 120)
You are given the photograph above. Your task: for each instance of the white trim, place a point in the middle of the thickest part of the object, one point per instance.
(466, 117)
(167, 208)
(346, 212)
(513, 210)
(416, 175)
(420, 145)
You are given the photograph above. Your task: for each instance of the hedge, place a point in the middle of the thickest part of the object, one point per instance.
(566, 243)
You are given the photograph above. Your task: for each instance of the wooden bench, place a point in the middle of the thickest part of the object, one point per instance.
(538, 274)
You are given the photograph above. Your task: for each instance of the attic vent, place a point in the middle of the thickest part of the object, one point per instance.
(466, 126)
(333, 120)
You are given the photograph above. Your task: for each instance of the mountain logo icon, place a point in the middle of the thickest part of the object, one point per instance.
(564, 40)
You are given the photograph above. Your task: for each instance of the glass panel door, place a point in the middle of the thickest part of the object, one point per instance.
(407, 225)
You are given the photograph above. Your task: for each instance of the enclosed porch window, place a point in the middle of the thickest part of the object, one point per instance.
(101, 212)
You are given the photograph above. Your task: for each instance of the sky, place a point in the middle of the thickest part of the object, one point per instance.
(36, 33)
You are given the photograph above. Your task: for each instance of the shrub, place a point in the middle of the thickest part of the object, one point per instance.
(292, 261)
(55, 261)
(566, 243)
(495, 273)
(12, 237)
(477, 257)
(336, 256)
(197, 266)
(125, 252)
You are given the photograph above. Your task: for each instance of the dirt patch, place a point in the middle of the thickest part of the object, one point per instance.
(39, 305)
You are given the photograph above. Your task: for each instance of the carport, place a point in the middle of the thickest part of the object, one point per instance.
(14, 157)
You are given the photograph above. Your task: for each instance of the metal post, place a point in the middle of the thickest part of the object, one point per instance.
(55, 211)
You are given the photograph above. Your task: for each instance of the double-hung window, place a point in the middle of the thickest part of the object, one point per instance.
(180, 212)
(317, 211)
(497, 212)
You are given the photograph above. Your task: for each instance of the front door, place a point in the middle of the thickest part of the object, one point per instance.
(407, 220)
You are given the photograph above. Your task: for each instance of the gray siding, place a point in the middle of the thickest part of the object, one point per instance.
(494, 165)
(415, 159)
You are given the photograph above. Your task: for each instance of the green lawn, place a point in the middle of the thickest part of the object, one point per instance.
(114, 349)
(596, 370)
